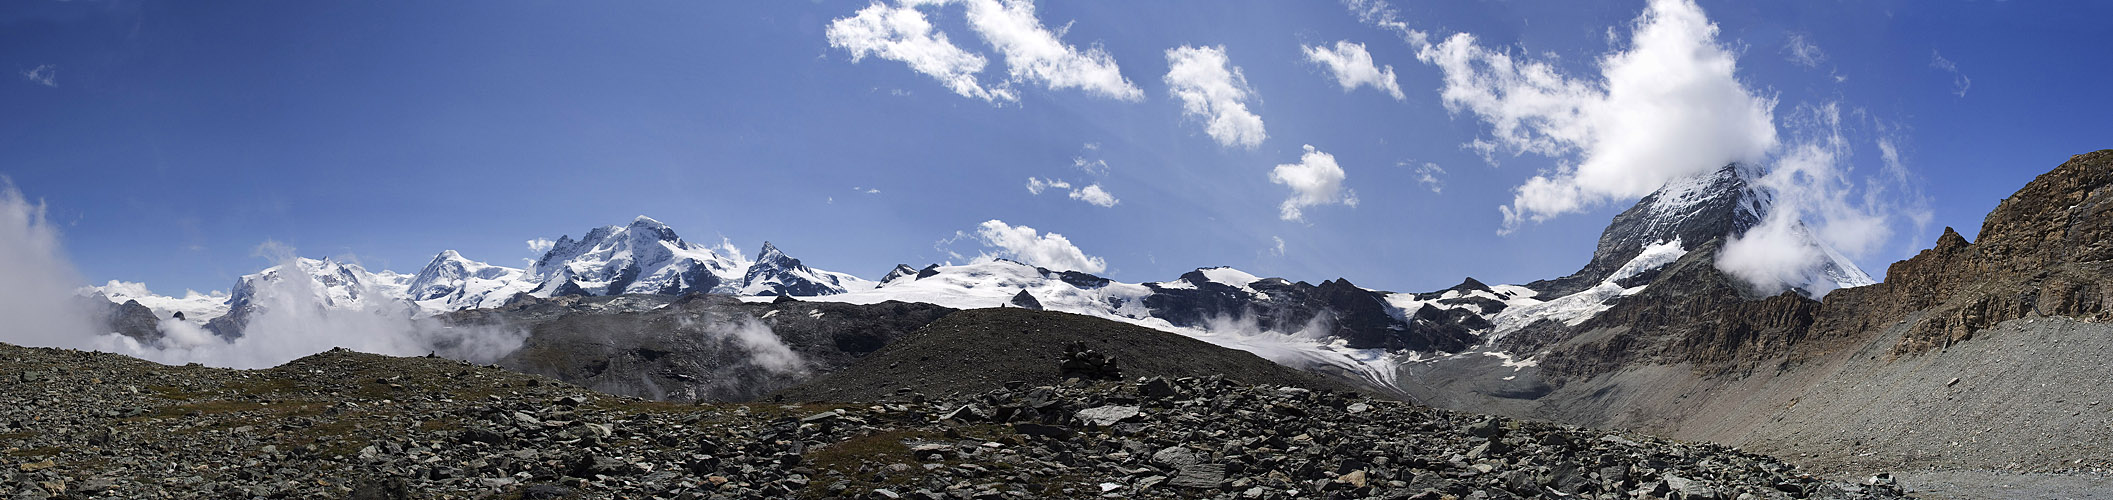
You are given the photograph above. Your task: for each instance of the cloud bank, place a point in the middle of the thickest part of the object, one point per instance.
(1352, 67)
(1212, 89)
(1314, 180)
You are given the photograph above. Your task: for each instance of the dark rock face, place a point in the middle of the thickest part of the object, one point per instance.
(901, 270)
(1026, 300)
(696, 346)
(981, 349)
(1337, 307)
(2046, 250)
(1720, 206)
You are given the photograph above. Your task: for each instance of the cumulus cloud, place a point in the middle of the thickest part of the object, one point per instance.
(44, 74)
(1667, 107)
(1959, 80)
(1212, 89)
(1428, 174)
(38, 300)
(1093, 194)
(1024, 244)
(1802, 51)
(541, 245)
(1033, 54)
(1314, 180)
(1353, 68)
(901, 33)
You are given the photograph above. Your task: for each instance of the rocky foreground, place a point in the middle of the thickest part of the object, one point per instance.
(343, 424)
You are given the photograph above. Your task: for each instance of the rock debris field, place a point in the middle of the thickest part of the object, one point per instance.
(348, 425)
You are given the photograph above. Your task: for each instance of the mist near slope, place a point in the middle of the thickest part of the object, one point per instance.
(290, 320)
(42, 308)
(764, 347)
(38, 302)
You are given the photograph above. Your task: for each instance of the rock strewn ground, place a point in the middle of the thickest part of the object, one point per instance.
(343, 424)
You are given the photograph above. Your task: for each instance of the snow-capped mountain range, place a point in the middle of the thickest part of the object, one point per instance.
(1333, 325)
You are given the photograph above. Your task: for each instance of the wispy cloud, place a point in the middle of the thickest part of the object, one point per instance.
(44, 74)
(1092, 194)
(1959, 80)
(1800, 50)
(1429, 175)
(1352, 67)
(1211, 88)
(1314, 180)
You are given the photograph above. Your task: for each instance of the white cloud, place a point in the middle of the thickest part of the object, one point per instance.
(1036, 186)
(1034, 54)
(903, 34)
(1094, 195)
(1211, 88)
(1427, 175)
(38, 300)
(1279, 249)
(1802, 51)
(44, 74)
(1959, 80)
(1380, 15)
(865, 190)
(1352, 67)
(541, 245)
(1818, 199)
(1024, 244)
(1667, 107)
(1314, 180)
(1095, 166)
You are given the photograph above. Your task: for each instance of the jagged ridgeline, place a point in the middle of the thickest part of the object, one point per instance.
(636, 310)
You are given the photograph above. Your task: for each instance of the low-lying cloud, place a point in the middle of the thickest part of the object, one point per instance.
(37, 300)
(1027, 245)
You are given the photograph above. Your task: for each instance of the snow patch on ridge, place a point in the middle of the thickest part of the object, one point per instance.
(1577, 307)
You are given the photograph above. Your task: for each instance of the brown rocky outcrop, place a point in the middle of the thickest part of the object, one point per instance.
(2043, 251)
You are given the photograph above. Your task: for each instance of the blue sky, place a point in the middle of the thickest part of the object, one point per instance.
(168, 140)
